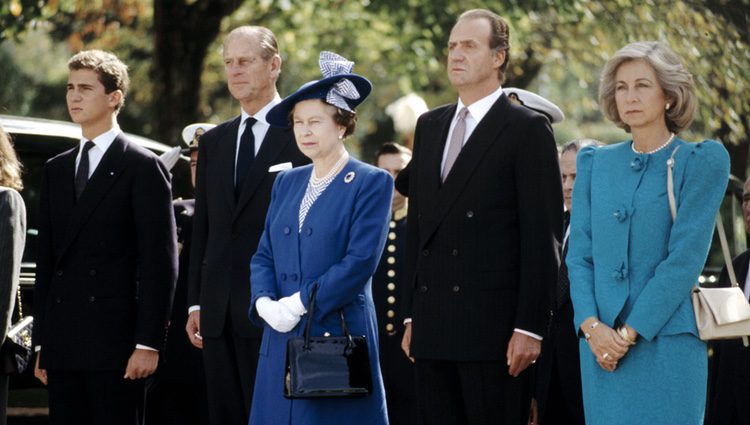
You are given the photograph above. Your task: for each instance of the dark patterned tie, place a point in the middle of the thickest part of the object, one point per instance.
(82, 174)
(245, 156)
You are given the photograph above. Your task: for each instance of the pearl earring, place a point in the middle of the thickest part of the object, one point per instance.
(667, 107)
(341, 137)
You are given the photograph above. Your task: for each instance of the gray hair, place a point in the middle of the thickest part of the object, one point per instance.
(674, 79)
(267, 43)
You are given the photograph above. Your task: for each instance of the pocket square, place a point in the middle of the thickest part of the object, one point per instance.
(280, 167)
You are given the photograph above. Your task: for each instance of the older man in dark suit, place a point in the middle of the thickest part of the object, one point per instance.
(107, 260)
(729, 369)
(238, 161)
(484, 226)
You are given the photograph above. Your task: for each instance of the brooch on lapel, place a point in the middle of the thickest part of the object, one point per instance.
(349, 177)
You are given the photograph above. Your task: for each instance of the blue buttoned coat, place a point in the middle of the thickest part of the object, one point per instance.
(630, 263)
(337, 249)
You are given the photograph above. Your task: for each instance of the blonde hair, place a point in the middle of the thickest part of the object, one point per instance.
(10, 167)
(674, 79)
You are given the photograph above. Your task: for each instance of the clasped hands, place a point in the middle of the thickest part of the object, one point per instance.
(282, 315)
(608, 345)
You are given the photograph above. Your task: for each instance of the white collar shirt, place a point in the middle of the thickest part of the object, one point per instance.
(477, 111)
(259, 129)
(102, 142)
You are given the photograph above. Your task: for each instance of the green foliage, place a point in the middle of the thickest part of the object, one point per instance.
(558, 49)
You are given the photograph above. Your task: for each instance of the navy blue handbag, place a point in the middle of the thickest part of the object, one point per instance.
(327, 366)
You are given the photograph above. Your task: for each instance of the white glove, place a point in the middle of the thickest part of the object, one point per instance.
(276, 314)
(294, 304)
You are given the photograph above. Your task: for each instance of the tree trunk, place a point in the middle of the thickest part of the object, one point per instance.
(182, 35)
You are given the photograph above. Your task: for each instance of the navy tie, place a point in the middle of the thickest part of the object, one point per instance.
(245, 156)
(82, 174)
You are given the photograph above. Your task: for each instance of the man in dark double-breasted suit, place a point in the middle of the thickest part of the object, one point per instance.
(484, 226)
(729, 367)
(107, 261)
(238, 161)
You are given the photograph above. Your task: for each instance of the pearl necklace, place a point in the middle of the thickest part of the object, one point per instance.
(671, 137)
(318, 181)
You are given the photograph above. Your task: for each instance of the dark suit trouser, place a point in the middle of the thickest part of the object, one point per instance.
(230, 362)
(4, 379)
(472, 393)
(564, 402)
(94, 398)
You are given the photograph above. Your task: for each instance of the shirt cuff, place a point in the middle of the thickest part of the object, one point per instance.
(531, 334)
(193, 308)
(145, 347)
(407, 320)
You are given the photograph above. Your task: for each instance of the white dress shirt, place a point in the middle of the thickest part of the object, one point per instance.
(102, 142)
(259, 129)
(477, 111)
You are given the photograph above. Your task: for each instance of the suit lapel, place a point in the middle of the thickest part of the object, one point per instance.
(430, 189)
(64, 185)
(106, 173)
(227, 147)
(484, 135)
(275, 141)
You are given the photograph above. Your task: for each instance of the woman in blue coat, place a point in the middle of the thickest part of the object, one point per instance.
(325, 227)
(631, 265)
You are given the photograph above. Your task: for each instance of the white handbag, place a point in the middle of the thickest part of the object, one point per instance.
(720, 313)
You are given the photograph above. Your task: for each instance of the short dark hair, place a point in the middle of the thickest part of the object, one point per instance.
(391, 148)
(499, 34)
(346, 119)
(112, 72)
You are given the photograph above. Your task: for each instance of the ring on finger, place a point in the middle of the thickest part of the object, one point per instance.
(605, 356)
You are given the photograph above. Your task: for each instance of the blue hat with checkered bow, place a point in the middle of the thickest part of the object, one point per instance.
(338, 87)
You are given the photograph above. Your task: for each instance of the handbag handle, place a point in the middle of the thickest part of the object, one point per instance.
(719, 221)
(719, 228)
(311, 314)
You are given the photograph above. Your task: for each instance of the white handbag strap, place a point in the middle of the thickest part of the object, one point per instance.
(719, 221)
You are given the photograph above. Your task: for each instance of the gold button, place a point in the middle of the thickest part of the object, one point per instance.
(391, 286)
(391, 273)
(391, 300)
(390, 313)
(392, 236)
(391, 248)
(389, 327)
(393, 224)
(391, 260)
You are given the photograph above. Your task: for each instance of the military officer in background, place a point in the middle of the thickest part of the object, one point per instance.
(177, 393)
(388, 291)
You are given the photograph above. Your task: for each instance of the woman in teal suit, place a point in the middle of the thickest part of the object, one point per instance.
(631, 266)
(325, 227)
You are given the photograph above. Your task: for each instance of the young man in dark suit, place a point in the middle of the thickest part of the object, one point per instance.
(107, 262)
(238, 161)
(484, 225)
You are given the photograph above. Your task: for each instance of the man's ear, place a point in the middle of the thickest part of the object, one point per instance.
(115, 98)
(500, 58)
(276, 65)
